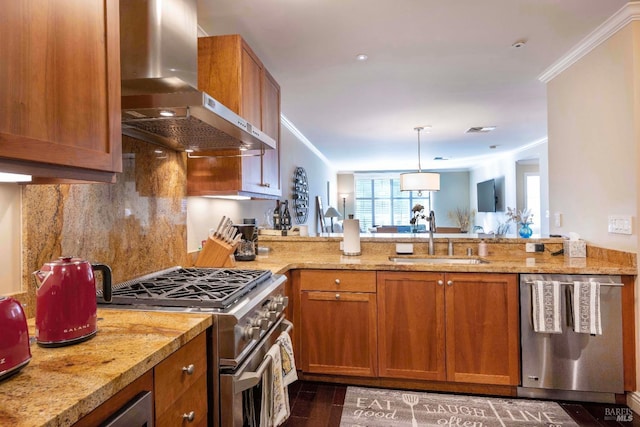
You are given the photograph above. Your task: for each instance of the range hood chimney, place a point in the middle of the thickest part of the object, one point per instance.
(160, 101)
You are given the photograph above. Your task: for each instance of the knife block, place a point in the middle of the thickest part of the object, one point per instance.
(216, 253)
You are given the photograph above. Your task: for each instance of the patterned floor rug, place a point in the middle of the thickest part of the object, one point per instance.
(379, 407)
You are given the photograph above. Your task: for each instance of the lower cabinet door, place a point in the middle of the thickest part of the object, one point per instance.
(482, 328)
(411, 325)
(338, 333)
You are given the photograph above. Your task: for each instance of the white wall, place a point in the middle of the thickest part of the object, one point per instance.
(593, 109)
(504, 167)
(205, 213)
(454, 193)
(11, 237)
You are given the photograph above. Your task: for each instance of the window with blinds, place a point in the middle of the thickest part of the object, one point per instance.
(379, 201)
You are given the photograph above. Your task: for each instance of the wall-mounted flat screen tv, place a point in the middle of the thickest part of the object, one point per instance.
(487, 200)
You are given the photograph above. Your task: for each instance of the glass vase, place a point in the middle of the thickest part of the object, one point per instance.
(525, 231)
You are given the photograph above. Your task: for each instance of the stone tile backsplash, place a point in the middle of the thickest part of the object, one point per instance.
(136, 226)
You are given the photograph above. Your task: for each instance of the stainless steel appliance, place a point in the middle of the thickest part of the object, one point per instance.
(160, 100)
(246, 250)
(138, 412)
(249, 309)
(570, 365)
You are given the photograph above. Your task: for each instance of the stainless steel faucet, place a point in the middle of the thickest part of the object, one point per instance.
(432, 228)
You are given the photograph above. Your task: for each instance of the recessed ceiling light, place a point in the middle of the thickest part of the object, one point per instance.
(440, 158)
(493, 147)
(362, 57)
(519, 44)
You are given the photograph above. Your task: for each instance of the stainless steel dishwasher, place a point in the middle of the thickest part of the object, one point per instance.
(570, 365)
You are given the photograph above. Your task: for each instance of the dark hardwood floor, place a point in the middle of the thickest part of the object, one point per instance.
(320, 405)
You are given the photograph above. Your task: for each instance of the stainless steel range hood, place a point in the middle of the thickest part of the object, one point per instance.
(160, 101)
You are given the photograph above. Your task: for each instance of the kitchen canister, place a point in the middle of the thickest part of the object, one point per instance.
(351, 237)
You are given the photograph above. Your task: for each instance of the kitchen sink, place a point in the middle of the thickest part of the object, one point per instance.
(436, 260)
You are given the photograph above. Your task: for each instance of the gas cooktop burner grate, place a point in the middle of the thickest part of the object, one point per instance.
(189, 287)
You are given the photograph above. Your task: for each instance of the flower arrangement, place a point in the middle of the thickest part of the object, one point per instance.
(463, 217)
(418, 213)
(519, 217)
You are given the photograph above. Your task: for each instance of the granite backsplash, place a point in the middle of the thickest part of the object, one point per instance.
(136, 226)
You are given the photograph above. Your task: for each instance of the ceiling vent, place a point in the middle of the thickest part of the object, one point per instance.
(479, 129)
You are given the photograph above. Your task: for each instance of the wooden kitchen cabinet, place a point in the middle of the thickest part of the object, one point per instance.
(338, 333)
(180, 386)
(411, 325)
(232, 73)
(458, 327)
(60, 89)
(482, 328)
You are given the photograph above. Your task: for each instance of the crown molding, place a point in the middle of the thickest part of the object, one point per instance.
(300, 136)
(628, 13)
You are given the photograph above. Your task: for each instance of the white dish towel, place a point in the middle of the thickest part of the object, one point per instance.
(586, 308)
(289, 372)
(275, 402)
(275, 408)
(546, 299)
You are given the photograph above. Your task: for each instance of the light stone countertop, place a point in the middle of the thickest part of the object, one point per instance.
(504, 256)
(60, 385)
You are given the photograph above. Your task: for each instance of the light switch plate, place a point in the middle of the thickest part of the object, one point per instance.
(620, 224)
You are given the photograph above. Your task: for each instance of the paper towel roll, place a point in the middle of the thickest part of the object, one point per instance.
(351, 239)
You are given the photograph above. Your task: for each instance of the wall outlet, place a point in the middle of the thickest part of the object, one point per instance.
(620, 224)
(534, 247)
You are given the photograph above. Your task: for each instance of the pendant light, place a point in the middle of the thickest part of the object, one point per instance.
(419, 181)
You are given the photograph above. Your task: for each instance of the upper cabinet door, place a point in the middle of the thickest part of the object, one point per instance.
(271, 126)
(230, 71)
(60, 88)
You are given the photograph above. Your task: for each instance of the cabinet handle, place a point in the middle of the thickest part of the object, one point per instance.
(449, 282)
(189, 417)
(337, 281)
(440, 282)
(337, 296)
(189, 370)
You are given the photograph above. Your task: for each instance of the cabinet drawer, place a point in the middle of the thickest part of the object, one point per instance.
(338, 280)
(193, 402)
(172, 377)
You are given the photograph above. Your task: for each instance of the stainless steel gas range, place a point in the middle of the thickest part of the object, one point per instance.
(249, 309)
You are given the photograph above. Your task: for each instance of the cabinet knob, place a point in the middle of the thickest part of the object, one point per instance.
(440, 282)
(189, 370)
(337, 296)
(337, 281)
(449, 282)
(189, 417)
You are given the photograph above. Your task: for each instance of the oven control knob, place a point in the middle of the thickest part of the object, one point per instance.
(278, 303)
(284, 300)
(273, 316)
(260, 322)
(251, 333)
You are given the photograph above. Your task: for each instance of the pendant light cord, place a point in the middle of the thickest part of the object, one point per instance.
(419, 128)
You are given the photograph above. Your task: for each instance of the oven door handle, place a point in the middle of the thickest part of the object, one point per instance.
(251, 379)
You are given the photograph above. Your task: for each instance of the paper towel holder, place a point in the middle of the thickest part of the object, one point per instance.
(350, 249)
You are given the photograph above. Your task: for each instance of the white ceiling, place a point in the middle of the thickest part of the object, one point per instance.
(445, 63)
